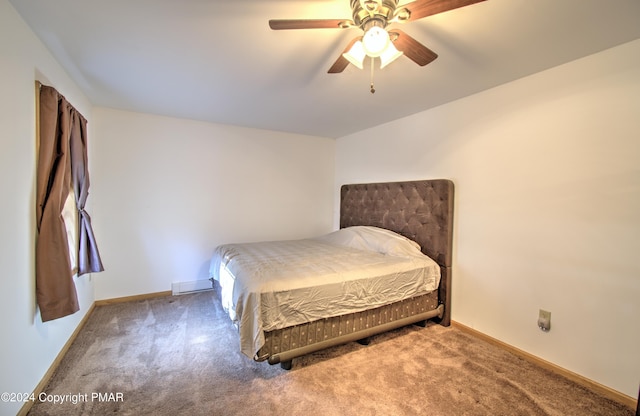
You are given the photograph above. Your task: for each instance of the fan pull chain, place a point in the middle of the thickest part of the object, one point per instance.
(373, 90)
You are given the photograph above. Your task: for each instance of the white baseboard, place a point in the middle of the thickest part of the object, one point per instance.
(180, 288)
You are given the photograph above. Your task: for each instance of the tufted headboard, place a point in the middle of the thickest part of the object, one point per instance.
(419, 210)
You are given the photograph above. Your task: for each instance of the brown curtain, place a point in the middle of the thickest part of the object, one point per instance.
(61, 164)
(88, 256)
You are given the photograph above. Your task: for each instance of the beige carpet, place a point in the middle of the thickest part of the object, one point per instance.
(179, 356)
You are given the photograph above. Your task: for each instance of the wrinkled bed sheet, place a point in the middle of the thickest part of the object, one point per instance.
(273, 285)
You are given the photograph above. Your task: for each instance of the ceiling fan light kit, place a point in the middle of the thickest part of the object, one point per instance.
(375, 40)
(375, 43)
(373, 17)
(356, 54)
(389, 55)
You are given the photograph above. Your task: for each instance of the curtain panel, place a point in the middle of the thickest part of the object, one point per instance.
(62, 164)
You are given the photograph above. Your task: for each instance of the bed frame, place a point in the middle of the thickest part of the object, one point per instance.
(419, 210)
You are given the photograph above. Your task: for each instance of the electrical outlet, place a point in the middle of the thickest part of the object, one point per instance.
(544, 320)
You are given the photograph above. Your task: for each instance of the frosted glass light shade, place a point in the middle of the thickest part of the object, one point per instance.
(375, 41)
(389, 55)
(356, 54)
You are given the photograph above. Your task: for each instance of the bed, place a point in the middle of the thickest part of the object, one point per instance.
(388, 266)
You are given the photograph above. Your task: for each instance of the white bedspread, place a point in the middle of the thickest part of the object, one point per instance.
(272, 285)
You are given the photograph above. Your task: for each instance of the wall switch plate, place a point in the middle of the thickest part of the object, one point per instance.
(544, 320)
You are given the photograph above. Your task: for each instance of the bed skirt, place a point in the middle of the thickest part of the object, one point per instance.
(282, 345)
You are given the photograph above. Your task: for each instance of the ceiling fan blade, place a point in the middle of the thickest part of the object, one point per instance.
(282, 24)
(341, 63)
(424, 8)
(413, 49)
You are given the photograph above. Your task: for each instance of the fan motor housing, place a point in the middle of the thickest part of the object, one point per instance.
(383, 13)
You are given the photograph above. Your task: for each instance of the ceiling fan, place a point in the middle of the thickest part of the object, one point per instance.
(373, 17)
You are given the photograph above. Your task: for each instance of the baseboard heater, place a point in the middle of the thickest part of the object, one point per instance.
(181, 288)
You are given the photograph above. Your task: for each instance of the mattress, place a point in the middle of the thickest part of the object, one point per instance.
(273, 285)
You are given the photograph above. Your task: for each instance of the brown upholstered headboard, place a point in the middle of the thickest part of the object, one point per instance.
(419, 210)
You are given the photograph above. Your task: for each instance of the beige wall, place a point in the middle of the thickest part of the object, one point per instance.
(547, 175)
(167, 191)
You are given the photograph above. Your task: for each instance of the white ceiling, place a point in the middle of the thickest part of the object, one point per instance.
(218, 61)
